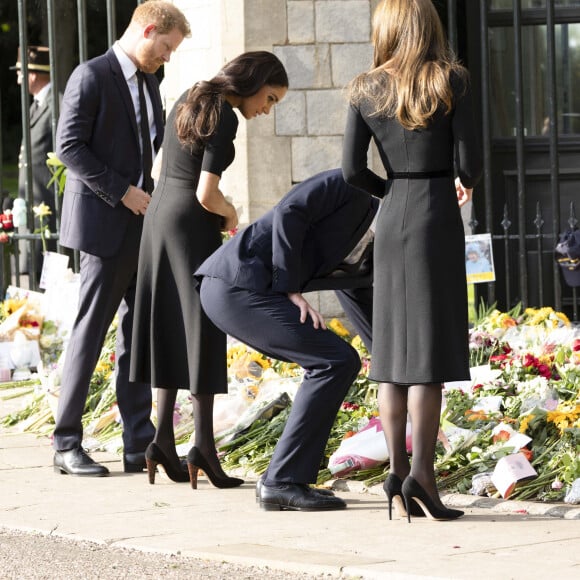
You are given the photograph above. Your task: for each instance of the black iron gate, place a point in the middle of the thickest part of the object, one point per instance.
(525, 66)
(524, 58)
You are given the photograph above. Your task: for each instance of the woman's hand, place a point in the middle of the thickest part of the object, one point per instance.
(307, 310)
(463, 193)
(212, 199)
(231, 220)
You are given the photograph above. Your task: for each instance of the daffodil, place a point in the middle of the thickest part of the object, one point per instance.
(41, 210)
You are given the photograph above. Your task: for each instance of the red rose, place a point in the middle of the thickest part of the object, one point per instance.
(544, 371)
(576, 345)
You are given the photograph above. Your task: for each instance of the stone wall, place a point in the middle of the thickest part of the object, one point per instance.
(323, 45)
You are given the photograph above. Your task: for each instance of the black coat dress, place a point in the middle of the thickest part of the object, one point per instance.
(420, 321)
(175, 345)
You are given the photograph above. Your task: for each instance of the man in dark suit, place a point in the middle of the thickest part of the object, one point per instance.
(41, 144)
(315, 238)
(106, 133)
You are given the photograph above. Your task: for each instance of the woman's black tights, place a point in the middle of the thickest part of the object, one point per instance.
(423, 405)
(202, 407)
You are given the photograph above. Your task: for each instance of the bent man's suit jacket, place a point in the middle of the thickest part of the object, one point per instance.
(296, 246)
(98, 141)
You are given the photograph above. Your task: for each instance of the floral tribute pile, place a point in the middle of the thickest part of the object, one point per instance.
(522, 407)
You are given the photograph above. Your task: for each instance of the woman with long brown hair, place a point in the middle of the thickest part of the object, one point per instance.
(415, 104)
(175, 345)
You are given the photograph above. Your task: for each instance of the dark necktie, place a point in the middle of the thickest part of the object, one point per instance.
(34, 108)
(145, 137)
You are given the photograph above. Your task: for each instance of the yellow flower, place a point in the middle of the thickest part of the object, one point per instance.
(565, 416)
(102, 366)
(546, 316)
(260, 359)
(524, 423)
(11, 305)
(235, 352)
(41, 210)
(545, 359)
(338, 328)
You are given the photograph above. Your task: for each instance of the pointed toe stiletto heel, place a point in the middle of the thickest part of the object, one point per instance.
(413, 491)
(155, 456)
(393, 490)
(392, 487)
(196, 461)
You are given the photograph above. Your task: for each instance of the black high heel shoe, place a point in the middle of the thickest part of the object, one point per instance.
(155, 456)
(412, 490)
(393, 488)
(196, 461)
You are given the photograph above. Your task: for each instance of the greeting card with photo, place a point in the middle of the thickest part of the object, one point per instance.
(479, 259)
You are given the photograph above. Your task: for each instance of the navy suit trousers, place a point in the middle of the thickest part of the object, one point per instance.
(107, 285)
(270, 323)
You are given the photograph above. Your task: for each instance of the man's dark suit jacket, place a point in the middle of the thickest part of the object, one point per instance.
(296, 246)
(99, 144)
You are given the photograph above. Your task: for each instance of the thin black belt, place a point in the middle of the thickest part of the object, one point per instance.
(420, 174)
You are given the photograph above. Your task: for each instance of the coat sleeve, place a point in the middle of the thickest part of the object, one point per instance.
(357, 138)
(468, 154)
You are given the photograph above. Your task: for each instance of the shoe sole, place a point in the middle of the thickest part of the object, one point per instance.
(276, 507)
(65, 472)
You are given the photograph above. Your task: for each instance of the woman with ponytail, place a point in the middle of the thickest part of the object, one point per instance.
(175, 346)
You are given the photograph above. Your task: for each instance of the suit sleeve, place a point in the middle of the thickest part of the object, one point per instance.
(468, 156)
(357, 138)
(76, 131)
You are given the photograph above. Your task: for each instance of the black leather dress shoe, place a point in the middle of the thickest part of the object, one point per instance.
(77, 462)
(299, 497)
(134, 462)
(320, 491)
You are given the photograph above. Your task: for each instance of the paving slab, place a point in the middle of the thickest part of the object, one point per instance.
(495, 539)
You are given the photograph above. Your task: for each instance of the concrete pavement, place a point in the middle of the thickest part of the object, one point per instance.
(495, 539)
